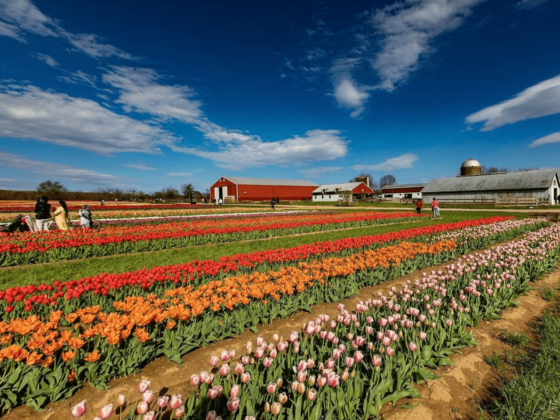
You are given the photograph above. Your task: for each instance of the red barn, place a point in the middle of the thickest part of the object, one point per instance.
(257, 189)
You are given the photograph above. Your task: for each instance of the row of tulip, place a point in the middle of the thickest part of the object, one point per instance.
(21, 208)
(46, 361)
(29, 248)
(105, 288)
(348, 367)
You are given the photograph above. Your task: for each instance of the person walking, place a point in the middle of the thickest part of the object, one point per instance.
(272, 203)
(418, 205)
(435, 208)
(61, 216)
(220, 202)
(42, 213)
(85, 217)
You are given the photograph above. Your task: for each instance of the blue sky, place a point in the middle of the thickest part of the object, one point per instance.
(142, 94)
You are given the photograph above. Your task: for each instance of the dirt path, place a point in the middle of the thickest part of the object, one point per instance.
(452, 397)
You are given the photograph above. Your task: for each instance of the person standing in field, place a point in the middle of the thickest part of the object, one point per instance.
(418, 206)
(42, 213)
(85, 217)
(272, 203)
(61, 216)
(435, 208)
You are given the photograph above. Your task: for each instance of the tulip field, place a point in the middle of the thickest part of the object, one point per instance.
(29, 248)
(58, 336)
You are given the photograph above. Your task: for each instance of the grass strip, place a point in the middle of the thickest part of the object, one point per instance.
(67, 270)
(534, 393)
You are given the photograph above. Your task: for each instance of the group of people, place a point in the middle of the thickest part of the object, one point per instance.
(43, 219)
(435, 207)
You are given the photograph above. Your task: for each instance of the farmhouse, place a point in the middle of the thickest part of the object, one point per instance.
(530, 187)
(258, 189)
(408, 191)
(333, 192)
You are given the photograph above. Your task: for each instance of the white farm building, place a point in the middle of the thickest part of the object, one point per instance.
(540, 186)
(333, 192)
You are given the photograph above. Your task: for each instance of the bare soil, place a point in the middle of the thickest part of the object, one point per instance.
(453, 396)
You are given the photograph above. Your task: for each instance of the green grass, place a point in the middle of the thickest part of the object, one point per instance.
(514, 339)
(67, 270)
(533, 393)
(495, 361)
(548, 293)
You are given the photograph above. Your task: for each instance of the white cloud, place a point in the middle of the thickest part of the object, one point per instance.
(63, 173)
(408, 29)
(18, 17)
(140, 166)
(47, 59)
(140, 91)
(28, 112)
(79, 77)
(316, 173)
(551, 138)
(348, 96)
(178, 174)
(400, 162)
(315, 146)
(529, 4)
(537, 101)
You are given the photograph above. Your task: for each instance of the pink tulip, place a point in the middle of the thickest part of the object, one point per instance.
(179, 412)
(321, 381)
(224, 355)
(142, 407)
(301, 376)
(143, 386)
(376, 360)
(275, 338)
(294, 336)
(282, 398)
(245, 377)
(149, 416)
(389, 351)
(412, 346)
(369, 330)
(386, 341)
(271, 388)
(345, 375)
(233, 404)
(176, 401)
(259, 353)
(336, 354)
(260, 341)
(302, 365)
(214, 361)
(448, 322)
(267, 362)
(162, 402)
(273, 353)
(79, 409)
(245, 360)
(310, 363)
(350, 336)
(106, 411)
(301, 388)
(215, 392)
(422, 335)
(358, 357)
(250, 418)
(211, 415)
(294, 385)
(349, 361)
(239, 368)
(195, 380)
(121, 400)
(333, 381)
(283, 345)
(148, 396)
(311, 394)
(275, 409)
(224, 369)
(330, 364)
(235, 391)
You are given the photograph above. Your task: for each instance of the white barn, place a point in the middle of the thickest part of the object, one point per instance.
(536, 184)
(333, 192)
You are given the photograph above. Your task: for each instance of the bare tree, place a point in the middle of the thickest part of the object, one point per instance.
(387, 180)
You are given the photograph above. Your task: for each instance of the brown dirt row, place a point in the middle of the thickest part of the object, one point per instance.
(453, 396)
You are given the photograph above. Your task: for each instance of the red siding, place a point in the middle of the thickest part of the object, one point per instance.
(264, 192)
(362, 189)
(402, 190)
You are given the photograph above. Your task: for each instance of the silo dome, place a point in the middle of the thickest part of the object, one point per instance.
(471, 167)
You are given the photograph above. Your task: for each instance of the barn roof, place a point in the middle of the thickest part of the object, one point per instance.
(264, 181)
(526, 180)
(331, 188)
(395, 187)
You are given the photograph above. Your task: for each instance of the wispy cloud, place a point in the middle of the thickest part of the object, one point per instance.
(252, 151)
(400, 162)
(27, 112)
(140, 166)
(529, 4)
(179, 174)
(79, 78)
(408, 29)
(47, 59)
(551, 138)
(316, 173)
(21, 17)
(537, 101)
(63, 173)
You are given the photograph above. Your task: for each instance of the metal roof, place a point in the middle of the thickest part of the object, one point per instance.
(526, 180)
(264, 181)
(345, 186)
(394, 187)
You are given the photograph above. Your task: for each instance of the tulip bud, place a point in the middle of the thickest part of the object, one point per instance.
(301, 388)
(233, 404)
(176, 401)
(271, 388)
(275, 409)
(345, 375)
(279, 382)
(143, 386)
(311, 394)
(79, 409)
(142, 407)
(266, 407)
(148, 396)
(121, 400)
(162, 402)
(245, 377)
(149, 416)
(179, 412)
(282, 398)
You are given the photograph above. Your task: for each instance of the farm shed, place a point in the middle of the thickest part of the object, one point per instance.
(408, 191)
(333, 192)
(538, 184)
(258, 189)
